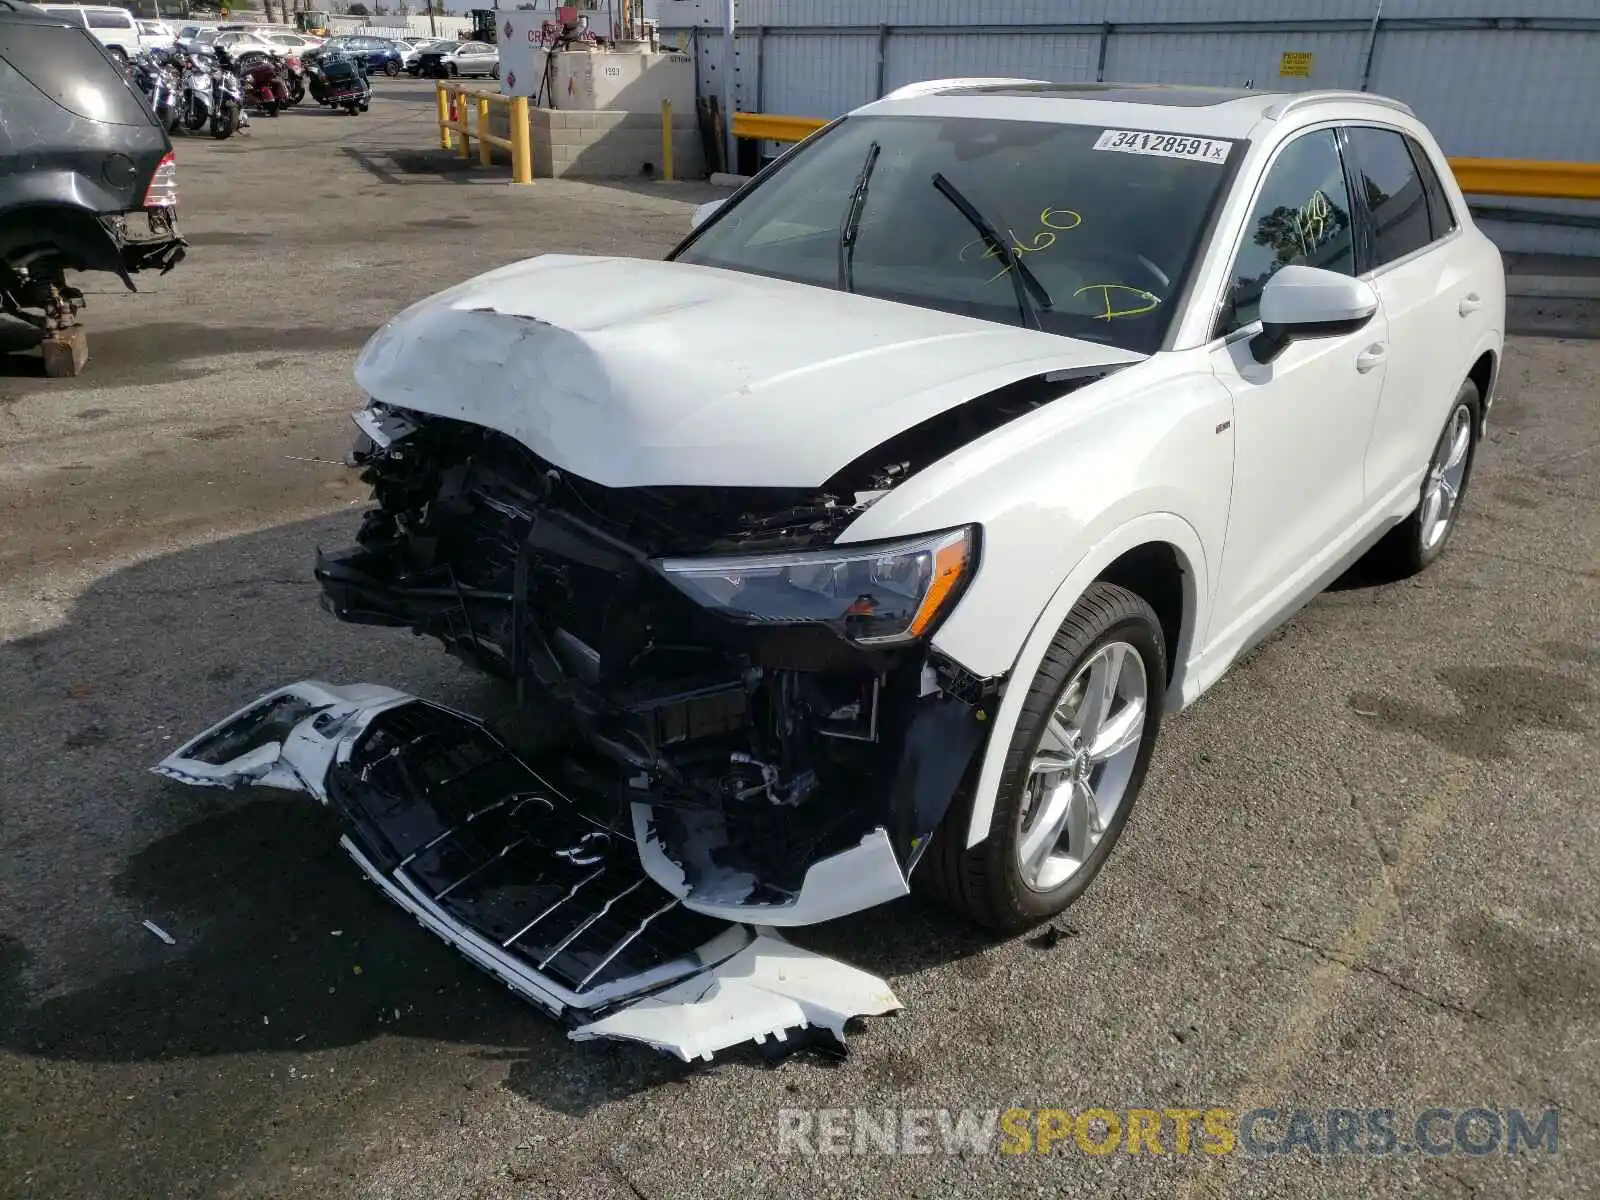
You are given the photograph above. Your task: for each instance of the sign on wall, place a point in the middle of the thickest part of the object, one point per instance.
(1295, 64)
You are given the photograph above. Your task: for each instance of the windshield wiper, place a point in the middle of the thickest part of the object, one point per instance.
(1031, 296)
(851, 225)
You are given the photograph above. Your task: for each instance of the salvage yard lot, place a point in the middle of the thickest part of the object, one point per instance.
(1362, 873)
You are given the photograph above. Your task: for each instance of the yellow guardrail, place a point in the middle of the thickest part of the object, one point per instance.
(769, 128)
(456, 107)
(1527, 177)
(1477, 176)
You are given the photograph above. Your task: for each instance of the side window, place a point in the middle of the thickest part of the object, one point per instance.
(1301, 217)
(1441, 217)
(1393, 193)
(107, 20)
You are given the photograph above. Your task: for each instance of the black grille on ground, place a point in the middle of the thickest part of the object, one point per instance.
(433, 798)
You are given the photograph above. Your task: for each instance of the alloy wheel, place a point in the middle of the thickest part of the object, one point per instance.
(1446, 472)
(1079, 775)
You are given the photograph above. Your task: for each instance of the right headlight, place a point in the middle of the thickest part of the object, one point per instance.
(874, 593)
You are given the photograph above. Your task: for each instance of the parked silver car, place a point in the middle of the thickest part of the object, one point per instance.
(450, 59)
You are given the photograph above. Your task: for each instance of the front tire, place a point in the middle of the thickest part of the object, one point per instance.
(391, 69)
(1416, 542)
(1074, 768)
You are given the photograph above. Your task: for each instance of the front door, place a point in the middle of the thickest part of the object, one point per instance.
(1301, 422)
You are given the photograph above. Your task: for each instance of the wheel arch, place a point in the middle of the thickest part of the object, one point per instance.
(1158, 556)
(76, 231)
(1485, 372)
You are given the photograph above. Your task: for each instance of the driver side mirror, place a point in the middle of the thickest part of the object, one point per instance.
(1306, 302)
(702, 213)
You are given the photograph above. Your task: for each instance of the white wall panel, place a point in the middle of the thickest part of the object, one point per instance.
(808, 76)
(1500, 95)
(1059, 57)
(1235, 59)
(1498, 91)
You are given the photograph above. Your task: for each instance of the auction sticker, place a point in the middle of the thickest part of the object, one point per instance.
(1164, 145)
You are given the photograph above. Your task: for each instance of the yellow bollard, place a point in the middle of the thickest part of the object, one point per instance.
(464, 115)
(521, 142)
(444, 118)
(666, 140)
(485, 151)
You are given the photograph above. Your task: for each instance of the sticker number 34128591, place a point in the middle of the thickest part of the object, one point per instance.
(1164, 145)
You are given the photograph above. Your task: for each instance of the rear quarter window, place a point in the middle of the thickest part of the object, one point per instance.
(109, 20)
(1441, 215)
(71, 68)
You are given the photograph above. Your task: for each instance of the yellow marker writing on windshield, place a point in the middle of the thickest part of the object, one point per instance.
(1151, 300)
(1054, 220)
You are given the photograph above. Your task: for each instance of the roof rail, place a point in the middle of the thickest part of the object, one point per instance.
(1305, 99)
(928, 87)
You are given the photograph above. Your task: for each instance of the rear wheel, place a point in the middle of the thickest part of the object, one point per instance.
(494, 71)
(1072, 773)
(1418, 540)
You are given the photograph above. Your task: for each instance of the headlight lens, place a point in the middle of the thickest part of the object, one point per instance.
(879, 593)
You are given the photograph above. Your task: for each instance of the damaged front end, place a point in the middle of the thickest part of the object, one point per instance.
(485, 852)
(708, 670)
(729, 721)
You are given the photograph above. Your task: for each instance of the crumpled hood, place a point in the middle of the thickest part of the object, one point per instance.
(632, 372)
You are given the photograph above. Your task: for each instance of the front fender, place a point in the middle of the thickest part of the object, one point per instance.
(1144, 455)
(1152, 527)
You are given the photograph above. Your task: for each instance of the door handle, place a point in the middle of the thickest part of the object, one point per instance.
(1371, 357)
(1470, 303)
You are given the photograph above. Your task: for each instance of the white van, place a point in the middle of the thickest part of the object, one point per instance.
(155, 35)
(115, 27)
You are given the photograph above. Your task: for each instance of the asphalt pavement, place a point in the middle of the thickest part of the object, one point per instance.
(1362, 873)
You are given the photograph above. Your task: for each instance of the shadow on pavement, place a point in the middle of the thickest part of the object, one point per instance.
(18, 341)
(282, 946)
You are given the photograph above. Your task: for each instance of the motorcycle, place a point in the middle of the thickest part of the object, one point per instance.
(153, 74)
(294, 75)
(263, 84)
(338, 81)
(211, 96)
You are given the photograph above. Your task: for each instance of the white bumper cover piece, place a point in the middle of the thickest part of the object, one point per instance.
(767, 988)
(603, 945)
(864, 876)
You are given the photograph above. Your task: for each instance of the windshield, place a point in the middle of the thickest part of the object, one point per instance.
(1106, 222)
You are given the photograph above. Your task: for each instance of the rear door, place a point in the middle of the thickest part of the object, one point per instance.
(1431, 298)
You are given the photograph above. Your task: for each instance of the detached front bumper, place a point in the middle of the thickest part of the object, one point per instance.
(462, 834)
